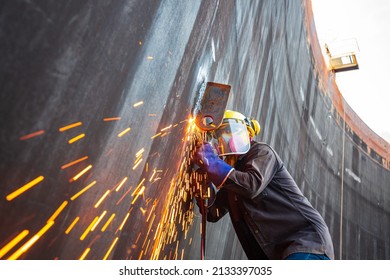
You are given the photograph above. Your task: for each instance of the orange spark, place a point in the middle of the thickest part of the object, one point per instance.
(77, 138)
(157, 231)
(140, 192)
(88, 229)
(58, 211)
(74, 162)
(140, 152)
(112, 119)
(137, 162)
(138, 187)
(138, 157)
(166, 128)
(31, 135)
(98, 221)
(138, 237)
(24, 188)
(154, 173)
(123, 196)
(110, 249)
(155, 179)
(151, 210)
(81, 173)
(70, 126)
(156, 135)
(124, 221)
(13, 243)
(72, 225)
(121, 184)
(124, 132)
(108, 222)
(142, 181)
(31, 242)
(85, 254)
(152, 115)
(83, 191)
(102, 198)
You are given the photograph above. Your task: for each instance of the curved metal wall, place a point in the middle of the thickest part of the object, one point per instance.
(126, 76)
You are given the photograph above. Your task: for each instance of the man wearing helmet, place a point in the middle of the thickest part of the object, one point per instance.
(272, 218)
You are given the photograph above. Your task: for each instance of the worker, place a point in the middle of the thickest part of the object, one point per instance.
(270, 215)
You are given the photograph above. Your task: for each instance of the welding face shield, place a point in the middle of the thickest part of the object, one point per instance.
(230, 138)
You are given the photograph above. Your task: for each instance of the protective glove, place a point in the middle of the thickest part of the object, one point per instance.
(208, 161)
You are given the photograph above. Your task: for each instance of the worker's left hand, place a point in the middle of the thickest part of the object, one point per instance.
(208, 161)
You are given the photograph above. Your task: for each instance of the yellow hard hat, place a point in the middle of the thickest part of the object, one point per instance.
(252, 125)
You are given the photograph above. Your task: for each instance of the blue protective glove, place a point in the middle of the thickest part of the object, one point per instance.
(208, 161)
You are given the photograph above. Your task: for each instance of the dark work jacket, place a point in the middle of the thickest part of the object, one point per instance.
(261, 195)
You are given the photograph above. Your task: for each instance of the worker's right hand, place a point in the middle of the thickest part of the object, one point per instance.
(208, 161)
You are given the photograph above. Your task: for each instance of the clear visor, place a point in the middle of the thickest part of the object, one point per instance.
(231, 138)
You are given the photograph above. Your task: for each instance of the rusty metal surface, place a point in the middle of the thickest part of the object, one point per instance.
(96, 101)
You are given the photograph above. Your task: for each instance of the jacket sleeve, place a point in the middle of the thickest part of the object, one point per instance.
(257, 167)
